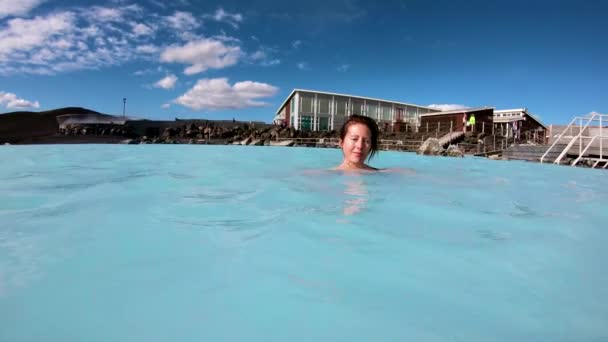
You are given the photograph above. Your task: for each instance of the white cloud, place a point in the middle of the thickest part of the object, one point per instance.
(271, 62)
(344, 67)
(150, 71)
(217, 93)
(447, 107)
(59, 42)
(140, 29)
(10, 100)
(166, 82)
(158, 3)
(258, 55)
(232, 19)
(82, 38)
(223, 37)
(296, 44)
(263, 57)
(100, 36)
(17, 7)
(166, 106)
(302, 65)
(26, 34)
(202, 55)
(182, 21)
(146, 49)
(106, 14)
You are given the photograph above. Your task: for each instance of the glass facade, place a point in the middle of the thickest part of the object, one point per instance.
(411, 112)
(306, 103)
(399, 114)
(341, 105)
(386, 113)
(338, 122)
(356, 107)
(306, 122)
(324, 112)
(372, 110)
(323, 103)
(323, 123)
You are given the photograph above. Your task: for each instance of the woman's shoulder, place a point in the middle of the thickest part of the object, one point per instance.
(358, 169)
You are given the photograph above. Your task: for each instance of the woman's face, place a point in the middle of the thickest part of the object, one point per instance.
(356, 144)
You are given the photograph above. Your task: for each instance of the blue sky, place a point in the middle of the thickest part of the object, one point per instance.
(206, 59)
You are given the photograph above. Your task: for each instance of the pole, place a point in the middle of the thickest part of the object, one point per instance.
(124, 106)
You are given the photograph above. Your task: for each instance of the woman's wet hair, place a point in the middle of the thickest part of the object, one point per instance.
(371, 125)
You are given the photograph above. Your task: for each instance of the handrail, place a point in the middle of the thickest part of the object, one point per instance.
(579, 136)
(583, 151)
(556, 140)
(581, 155)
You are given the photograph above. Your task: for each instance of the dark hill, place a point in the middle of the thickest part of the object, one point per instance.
(17, 127)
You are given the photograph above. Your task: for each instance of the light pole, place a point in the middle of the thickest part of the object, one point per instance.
(124, 106)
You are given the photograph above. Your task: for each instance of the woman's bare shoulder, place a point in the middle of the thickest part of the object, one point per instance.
(393, 170)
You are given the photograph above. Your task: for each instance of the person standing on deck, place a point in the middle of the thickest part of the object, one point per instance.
(472, 122)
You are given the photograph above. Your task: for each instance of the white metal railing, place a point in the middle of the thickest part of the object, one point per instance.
(597, 160)
(600, 118)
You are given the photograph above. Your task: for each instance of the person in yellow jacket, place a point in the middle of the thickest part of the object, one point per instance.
(472, 122)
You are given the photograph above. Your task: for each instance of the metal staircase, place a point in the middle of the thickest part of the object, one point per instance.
(588, 140)
(448, 138)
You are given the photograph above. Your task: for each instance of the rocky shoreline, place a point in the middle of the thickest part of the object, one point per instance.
(22, 128)
(239, 134)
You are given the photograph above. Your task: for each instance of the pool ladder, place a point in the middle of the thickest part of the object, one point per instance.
(590, 141)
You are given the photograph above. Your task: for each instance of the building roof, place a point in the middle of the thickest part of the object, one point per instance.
(511, 110)
(344, 95)
(521, 110)
(459, 111)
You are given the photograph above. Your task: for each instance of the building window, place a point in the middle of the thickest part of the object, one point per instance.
(306, 104)
(386, 113)
(338, 121)
(341, 106)
(356, 107)
(323, 123)
(305, 122)
(372, 110)
(399, 114)
(411, 112)
(323, 103)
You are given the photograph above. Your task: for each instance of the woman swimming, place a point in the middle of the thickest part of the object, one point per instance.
(359, 142)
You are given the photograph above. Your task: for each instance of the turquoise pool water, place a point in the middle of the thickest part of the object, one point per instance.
(223, 243)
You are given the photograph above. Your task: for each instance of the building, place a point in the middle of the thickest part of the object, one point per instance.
(458, 121)
(322, 111)
(312, 110)
(519, 124)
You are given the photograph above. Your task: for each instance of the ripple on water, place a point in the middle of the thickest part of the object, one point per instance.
(522, 211)
(493, 235)
(220, 195)
(180, 175)
(230, 224)
(96, 181)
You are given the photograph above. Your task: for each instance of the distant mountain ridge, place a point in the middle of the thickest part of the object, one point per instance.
(24, 125)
